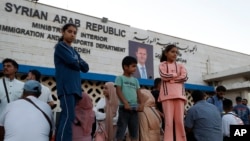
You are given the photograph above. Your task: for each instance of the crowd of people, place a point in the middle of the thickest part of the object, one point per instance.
(210, 118)
(125, 110)
(26, 108)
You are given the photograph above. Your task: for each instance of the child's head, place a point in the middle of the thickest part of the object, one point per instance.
(129, 64)
(169, 53)
(68, 33)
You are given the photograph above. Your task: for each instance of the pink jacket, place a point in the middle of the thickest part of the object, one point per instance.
(173, 76)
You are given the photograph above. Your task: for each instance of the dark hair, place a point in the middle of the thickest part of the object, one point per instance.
(141, 47)
(197, 95)
(166, 49)
(238, 99)
(65, 27)
(157, 81)
(221, 89)
(37, 74)
(128, 60)
(245, 99)
(227, 103)
(13, 62)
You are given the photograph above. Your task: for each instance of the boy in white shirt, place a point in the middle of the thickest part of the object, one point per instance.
(229, 118)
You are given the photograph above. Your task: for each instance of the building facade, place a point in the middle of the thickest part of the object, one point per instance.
(29, 32)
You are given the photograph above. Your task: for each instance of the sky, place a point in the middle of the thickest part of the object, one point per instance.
(220, 23)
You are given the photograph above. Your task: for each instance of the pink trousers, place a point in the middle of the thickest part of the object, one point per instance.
(174, 115)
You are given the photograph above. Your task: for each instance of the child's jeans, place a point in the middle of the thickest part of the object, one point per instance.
(127, 118)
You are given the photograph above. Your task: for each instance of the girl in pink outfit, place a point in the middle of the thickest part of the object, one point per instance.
(172, 93)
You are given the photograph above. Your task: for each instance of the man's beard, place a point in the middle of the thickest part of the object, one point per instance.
(220, 97)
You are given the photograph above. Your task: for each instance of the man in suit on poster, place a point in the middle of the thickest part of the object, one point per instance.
(142, 71)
